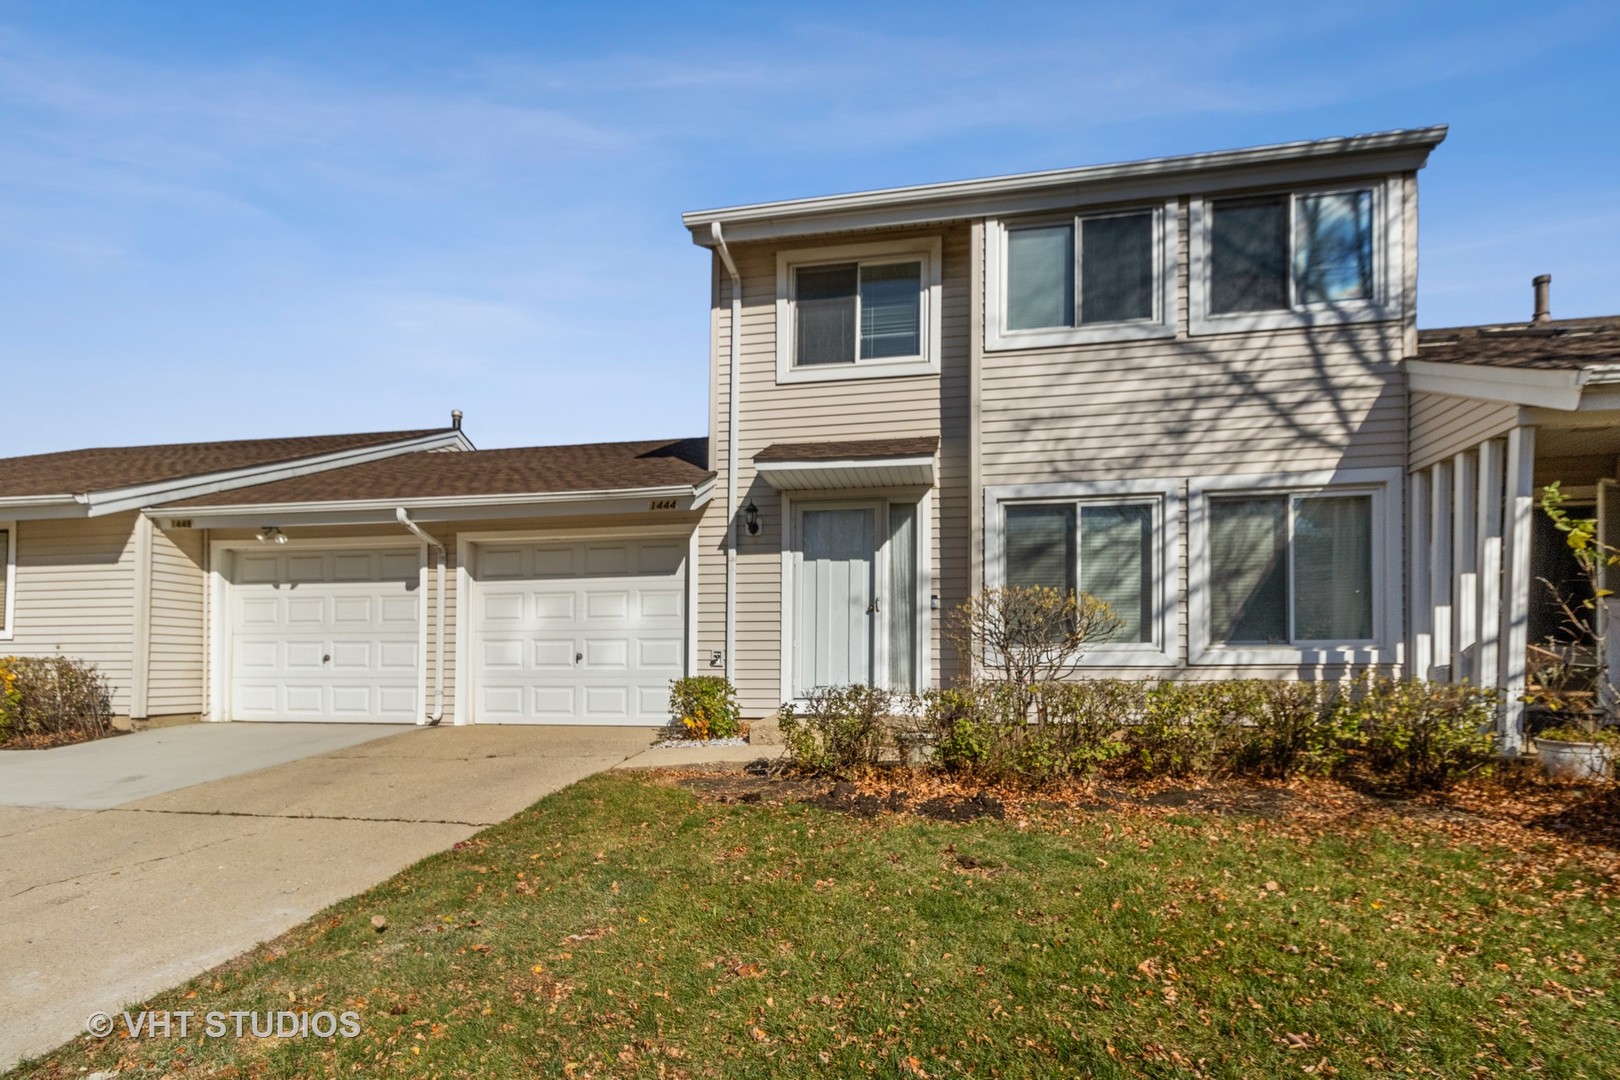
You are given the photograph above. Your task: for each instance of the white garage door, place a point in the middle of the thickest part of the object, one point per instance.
(584, 633)
(324, 635)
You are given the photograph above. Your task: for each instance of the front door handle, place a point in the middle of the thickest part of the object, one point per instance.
(872, 608)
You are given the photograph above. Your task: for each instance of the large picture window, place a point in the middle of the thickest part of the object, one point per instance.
(1103, 550)
(1291, 569)
(1290, 257)
(1081, 278)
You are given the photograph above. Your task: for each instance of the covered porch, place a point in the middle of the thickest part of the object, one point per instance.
(1499, 413)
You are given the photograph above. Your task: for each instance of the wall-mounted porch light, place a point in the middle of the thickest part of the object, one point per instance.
(751, 518)
(271, 534)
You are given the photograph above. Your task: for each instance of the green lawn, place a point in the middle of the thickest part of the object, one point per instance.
(624, 928)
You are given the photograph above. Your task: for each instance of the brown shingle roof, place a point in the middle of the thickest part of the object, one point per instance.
(532, 470)
(74, 472)
(1561, 345)
(850, 449)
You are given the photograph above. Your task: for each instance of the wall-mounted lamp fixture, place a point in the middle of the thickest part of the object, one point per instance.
(751, 518)
(270, 534)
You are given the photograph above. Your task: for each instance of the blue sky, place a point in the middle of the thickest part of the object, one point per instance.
(229, 220)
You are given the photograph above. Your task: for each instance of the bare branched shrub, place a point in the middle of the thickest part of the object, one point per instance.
(53, 697)
(1027, 635)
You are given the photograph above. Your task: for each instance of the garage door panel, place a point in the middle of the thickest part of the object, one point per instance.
(505, 607)
(553, 654)
(329, 635)
(603, 626)
(607, 604)
(609, 653)
(603, 560)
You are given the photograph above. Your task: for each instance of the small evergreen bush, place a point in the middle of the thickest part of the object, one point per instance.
(705, 706)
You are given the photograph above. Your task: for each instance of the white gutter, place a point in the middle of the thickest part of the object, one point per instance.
(438, 631)
(733, 414)
(696, 492)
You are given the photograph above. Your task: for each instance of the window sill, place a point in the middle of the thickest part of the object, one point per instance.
(1243, 322)
(1101, 334)
(870, 369)
(1293, 655)
(1112, 656)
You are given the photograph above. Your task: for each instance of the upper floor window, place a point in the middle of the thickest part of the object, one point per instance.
(1081, 278)
(1293, 258)
(858, 311)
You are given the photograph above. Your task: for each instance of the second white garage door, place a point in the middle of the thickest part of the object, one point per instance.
(582, 633)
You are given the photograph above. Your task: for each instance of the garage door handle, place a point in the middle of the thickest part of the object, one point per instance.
(327, 659)
(578, 657)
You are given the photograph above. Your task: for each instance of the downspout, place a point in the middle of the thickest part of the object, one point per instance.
(733, 411)
(438, 630)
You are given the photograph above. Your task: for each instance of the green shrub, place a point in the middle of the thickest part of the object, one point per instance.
(962, 739)
(1190, 728)
(51, 698)
(1292, 727)
(840, 731)
(1001, 731)
(1421, 734)
(706, 706)
(1609, 737)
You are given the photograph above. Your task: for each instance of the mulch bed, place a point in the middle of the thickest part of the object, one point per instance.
(1513, 810)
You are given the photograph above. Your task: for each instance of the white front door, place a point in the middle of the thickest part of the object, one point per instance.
(578, 633)
(324, 635)
(836, 603)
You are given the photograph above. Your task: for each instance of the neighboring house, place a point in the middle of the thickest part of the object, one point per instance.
(1192, 386)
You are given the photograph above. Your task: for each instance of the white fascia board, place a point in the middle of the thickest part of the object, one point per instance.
(141, 496)
(42, 507)
(1517, 386)
(447, 508)
(1189, 174)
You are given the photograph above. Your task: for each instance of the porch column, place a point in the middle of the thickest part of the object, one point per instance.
(1519, 503)
(1440, 568)
(1489, 530)
(1418, 525)
(1465, 599)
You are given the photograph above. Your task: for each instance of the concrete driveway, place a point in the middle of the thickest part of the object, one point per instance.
(107, 904)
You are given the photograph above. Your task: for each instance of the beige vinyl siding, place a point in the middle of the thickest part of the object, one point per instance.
(896, 406)
(1443, 425)
(448, 534)
(178, 642)
(1259, 402)
(75, 595)
(5, 562)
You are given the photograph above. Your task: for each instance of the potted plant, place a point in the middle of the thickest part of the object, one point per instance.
(1573, 752)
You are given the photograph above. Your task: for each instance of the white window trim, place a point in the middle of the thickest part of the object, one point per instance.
(1165, 494)
(791, 550)
(1385, 487)
(1162, 325)
(1385, 303)
(8, 567)
(927, 250)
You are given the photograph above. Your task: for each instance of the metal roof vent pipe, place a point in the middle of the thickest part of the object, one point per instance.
(1543, 287)
(455, 419)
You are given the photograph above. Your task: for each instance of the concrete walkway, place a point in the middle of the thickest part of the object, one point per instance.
(108, 906)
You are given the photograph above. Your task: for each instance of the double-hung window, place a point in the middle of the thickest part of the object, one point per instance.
(1100, 549)
(1081, 278)
(1291, 569)
(858, 311)
(1292, 258)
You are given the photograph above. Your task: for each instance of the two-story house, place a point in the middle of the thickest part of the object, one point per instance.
(1191, 386)
(1173, 384)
